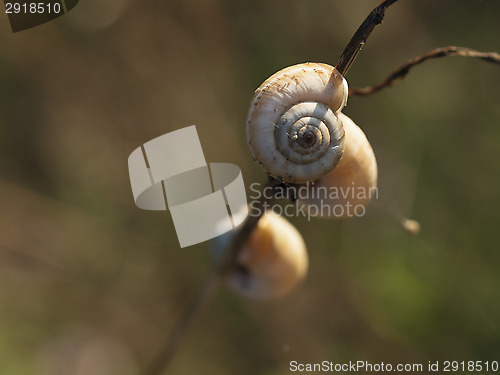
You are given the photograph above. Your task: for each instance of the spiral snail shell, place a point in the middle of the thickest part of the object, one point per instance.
(293, 128)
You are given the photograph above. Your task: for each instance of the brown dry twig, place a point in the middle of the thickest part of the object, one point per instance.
(166, 353)
(359, 38)
(400, 73)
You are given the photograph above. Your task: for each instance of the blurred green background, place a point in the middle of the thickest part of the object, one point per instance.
(90, 284)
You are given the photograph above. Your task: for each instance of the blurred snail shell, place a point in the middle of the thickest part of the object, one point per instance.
(293, 128)
(351, 184)
(271, 263)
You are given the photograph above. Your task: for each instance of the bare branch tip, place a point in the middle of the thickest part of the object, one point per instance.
(359, 38)
(400, 73)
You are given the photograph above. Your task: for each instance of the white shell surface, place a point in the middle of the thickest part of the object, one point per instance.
(278, 100)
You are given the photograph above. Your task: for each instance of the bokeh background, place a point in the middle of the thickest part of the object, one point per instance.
(91, 285)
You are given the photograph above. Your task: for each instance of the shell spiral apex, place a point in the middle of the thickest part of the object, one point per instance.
(293, 128)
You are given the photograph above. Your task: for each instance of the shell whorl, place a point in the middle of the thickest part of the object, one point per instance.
(344, 191)
(293, 128)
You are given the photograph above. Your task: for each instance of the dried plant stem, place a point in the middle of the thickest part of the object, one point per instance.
(400, 73)
(165, 355)
(361, 35)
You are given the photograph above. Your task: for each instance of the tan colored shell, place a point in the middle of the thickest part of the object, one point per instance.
(293, 128)
(351, 185)
(272, 262)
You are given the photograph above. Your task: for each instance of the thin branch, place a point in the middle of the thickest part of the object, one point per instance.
(361, 35)
(165, 355)
(400, 73)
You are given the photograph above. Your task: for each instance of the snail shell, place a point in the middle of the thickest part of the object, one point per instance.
(293, 128)
(271, 263)
(351, 184)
